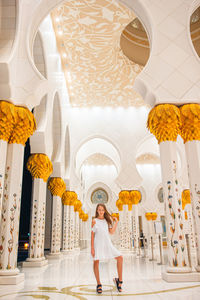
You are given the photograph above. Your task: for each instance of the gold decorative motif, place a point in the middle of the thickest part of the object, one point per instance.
(115, 215)
(57, 186)
(128, 198)
(16, 123)
(69, 197)
(40, 166)
(135, 197)
(190, 122)
(82, 291)
(85, 218)
(119, 204)
(151, 216)
(7, 120)
(77, 205)
(185, 198)
(124, 197)
(164, 122)
(81, 214)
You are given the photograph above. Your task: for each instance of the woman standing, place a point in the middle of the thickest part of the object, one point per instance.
(101, 245)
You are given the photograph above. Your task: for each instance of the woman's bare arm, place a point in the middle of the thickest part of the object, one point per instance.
(92, 239)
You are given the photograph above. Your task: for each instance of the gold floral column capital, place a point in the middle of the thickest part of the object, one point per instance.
(135, 197)
(57, 186)
(69, 198)
(151, 216)
(119, 204)
(7, 120)
(40, 166)
(25, 125)
(164, 122)
(190, 122)
(17, 123)
(77, 205)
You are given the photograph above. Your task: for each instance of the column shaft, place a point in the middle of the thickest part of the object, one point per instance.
(56, 225)
(9, 229)
(77, 230)
(193, 159)
(72, 223)
(66, 228)
(177, 254)
(37, 226)
(136, 229)
(3, 153)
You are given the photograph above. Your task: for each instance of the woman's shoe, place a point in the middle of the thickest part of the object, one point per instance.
(117, 282)
(99, 289)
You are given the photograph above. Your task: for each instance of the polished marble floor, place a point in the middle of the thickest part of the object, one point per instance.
(72, 278)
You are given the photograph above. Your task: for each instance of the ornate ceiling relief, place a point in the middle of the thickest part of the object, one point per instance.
(98, 159)
(88, 38)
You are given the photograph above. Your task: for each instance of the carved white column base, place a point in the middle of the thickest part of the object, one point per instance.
(180, 277)
(12, 279)
(125, 251)
(178, 270)
(68, 252)
(77, 250)
(54, 256)
(35, 262)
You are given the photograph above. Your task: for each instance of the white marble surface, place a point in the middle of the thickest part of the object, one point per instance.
(142, 280)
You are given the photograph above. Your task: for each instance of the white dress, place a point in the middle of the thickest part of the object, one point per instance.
(103, 246)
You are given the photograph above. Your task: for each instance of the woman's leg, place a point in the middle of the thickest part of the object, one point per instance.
(96, 271)
(119, 267)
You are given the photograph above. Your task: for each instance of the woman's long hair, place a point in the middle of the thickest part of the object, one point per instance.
(107, 216)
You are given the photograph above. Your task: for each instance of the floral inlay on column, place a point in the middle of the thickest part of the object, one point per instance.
(57, 187)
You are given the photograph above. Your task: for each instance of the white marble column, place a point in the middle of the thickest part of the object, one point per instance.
(37, 227)
(57, 187)
(129, 226)
(193, 158)
(189, 229)
(164, 122)
(56, 228)
(16, 125)
(66, 230)
(40, 168)
(72, 228)
(177, 254)
(77, 247)
(9, 230)
(190, 132)
(136, 230)
(3, 153)
(121, 229)
(125, 244)
(81, 234)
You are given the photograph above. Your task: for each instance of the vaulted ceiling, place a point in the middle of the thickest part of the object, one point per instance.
(88, 39)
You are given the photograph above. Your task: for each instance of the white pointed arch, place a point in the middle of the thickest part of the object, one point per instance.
(96, 144)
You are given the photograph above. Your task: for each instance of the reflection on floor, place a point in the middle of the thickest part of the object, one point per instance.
(72, 278)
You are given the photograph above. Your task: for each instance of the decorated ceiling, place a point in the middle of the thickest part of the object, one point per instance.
(88, 38)
(98, 159)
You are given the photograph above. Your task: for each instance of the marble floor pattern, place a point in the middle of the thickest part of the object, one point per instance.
(72, 278)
